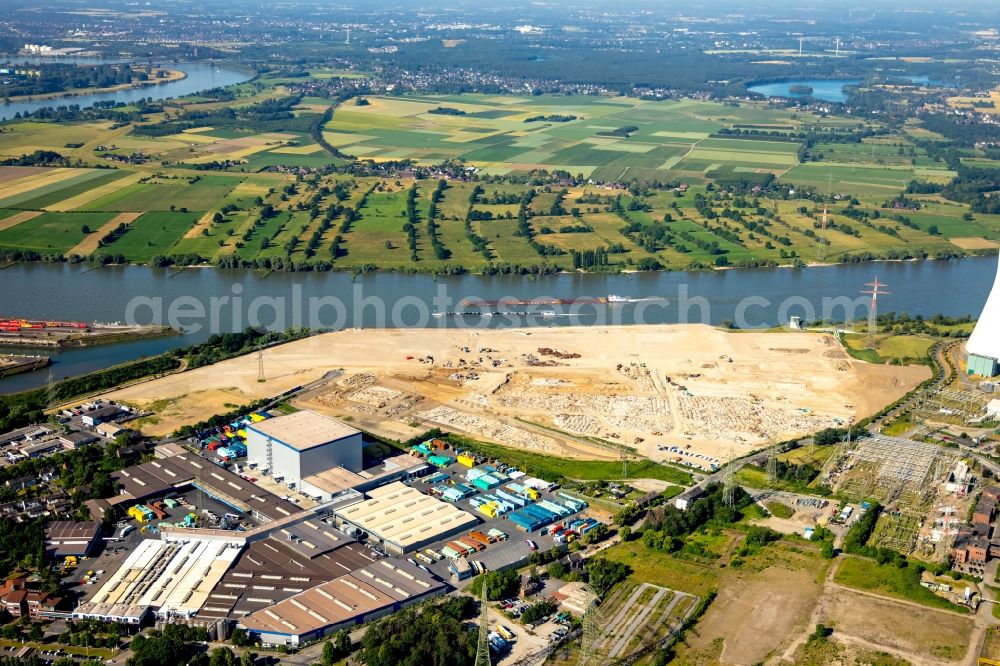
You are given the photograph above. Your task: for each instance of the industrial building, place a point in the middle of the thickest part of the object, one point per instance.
(158, 477)
(336, 481)
(983, 346)
(290, 560)
(402, 519)
(381, 588)
(64, 538)
(171, 577)
(303, 444)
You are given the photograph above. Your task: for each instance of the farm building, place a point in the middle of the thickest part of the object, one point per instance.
(983, 346)
(302, 444)
(402, 518)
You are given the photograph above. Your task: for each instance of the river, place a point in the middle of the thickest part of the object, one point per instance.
(200, 76)
(752, 297)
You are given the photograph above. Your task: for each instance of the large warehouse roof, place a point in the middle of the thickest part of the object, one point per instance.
(292, 560)
(168, 576)
(376, 587)
(405, 516)
(303, 430)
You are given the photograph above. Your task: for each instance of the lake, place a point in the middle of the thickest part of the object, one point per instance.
(232, 299)
(200, 76)
(829, 90)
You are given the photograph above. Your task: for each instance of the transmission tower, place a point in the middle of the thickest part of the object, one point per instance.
(260, 365)
(772, 465)
(729, 483)
(624, 454)
(840, 448)
(875, 291)
(50, 389)
(592, 634)
(483, 652)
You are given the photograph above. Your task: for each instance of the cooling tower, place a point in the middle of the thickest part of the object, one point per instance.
(984, 343)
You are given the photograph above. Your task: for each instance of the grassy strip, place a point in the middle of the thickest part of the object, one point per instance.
(95, 652)
(779, 510)
(556, 469)
(892, 581)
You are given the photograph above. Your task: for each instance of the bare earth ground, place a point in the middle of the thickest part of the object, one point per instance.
(918, 634)
(693, 385)
(8, 174)
(755, 615)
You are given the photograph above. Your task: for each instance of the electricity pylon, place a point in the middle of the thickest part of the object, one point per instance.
(260, 365)
(772, 465)
(729, 483)
(483, 651)
(592, 633)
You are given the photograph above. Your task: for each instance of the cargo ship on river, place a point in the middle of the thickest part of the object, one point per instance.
(544, 300)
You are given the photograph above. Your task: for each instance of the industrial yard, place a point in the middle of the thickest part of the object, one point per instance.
(707, 392)
(55, 334)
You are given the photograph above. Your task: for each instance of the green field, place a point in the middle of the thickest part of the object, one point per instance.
(162, 194)
(51, 233)
(903, 349)
(152, 234)
(890, 580)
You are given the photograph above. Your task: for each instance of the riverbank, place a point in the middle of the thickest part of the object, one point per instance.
(170, 76)
(492, 270)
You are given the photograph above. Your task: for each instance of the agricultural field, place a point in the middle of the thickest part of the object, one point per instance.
(51, 233)
(151, 234)
(770, 232)
(690, 219)
(603, 138)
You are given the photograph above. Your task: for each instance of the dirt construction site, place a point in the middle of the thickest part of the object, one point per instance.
(577, 392)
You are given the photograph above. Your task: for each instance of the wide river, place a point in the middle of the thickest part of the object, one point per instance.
(200, 76)
(206, 300)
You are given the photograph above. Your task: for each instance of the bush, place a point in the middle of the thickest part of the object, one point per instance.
(538, 611)
(856, 541)
(499, 585)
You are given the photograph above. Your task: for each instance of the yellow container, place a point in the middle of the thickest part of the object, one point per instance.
(466, 460)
